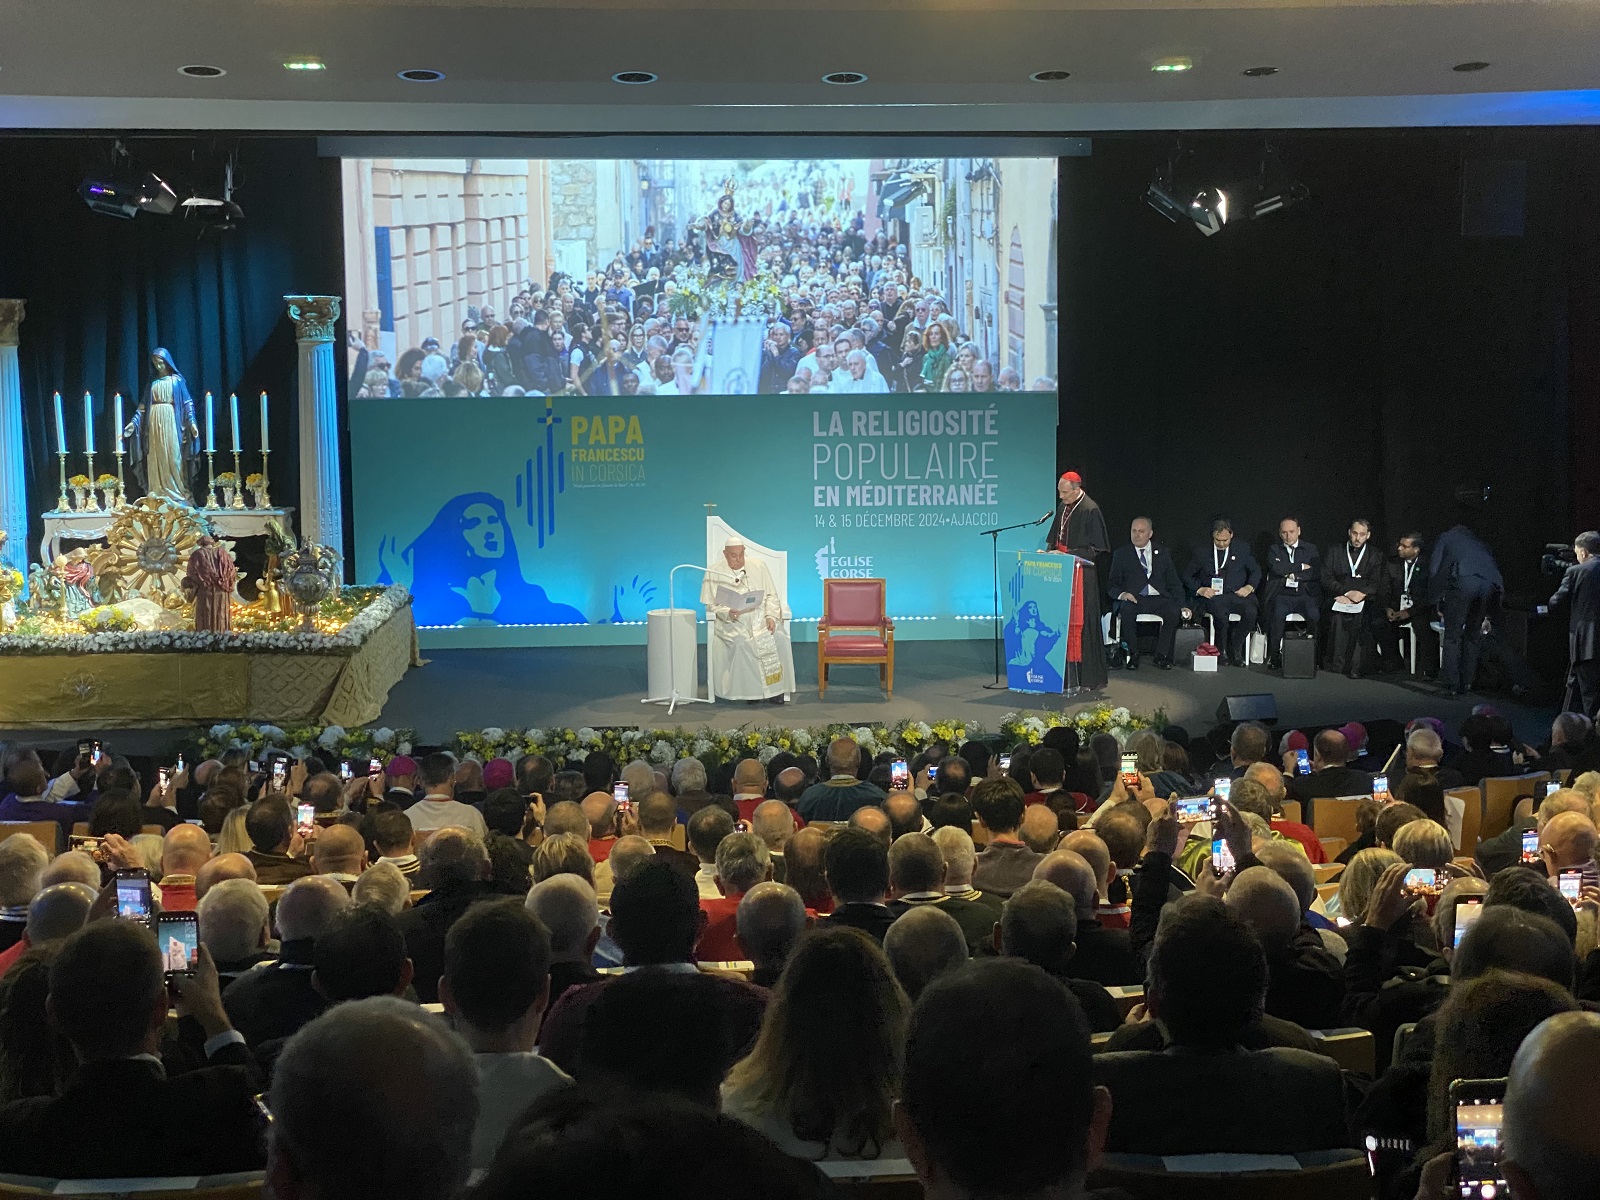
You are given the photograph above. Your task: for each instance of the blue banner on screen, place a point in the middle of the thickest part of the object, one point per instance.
(1038, 618)
(503, 515)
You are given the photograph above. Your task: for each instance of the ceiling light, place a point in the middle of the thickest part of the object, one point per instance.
(201, 71)
(1167, 66)
(305, 64)
(1259, 72)
(1159, 197)
(1050, 76)
(110, 198)
(1209, 210)
(1469, 66)
(635, 77)
(155, 195)
(421, 75)
(844, 78)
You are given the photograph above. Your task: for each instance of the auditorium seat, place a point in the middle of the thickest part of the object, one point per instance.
(47, 833)
(873, 1179)
(81, 829)
(1471, 817)
(1335, 816)
(1500, 796)
(855, 629)
(1327, 872)
(1291, 811)
(1317, 1175)
(248, 1185)
(1127, 997)
(1327, 891)
(1353, 1049)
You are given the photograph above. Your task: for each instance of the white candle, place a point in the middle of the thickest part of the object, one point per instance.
(88, 423)
(211, 430)
(233, 404)
(265, 446)
(118, 403)
(61, 428)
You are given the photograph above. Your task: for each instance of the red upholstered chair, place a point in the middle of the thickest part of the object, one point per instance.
(855, 628)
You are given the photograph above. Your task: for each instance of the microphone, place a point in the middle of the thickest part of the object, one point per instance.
(1046, 517)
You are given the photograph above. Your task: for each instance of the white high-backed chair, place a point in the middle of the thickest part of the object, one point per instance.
(719, 531)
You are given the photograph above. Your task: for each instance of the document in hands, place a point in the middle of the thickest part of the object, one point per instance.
(1344, 606)
(739, 603)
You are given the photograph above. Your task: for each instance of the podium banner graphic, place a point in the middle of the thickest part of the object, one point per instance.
(1038, 620)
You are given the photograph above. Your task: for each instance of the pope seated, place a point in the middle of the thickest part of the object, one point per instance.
(743, 602)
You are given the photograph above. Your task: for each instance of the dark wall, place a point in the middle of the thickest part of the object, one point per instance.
(1354, 355)
(102, 293)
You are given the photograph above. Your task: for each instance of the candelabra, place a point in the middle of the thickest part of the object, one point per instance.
(238, 475)
(94, 500)
(264, 500)
(211, 479)
(64, 501)
(122, 492)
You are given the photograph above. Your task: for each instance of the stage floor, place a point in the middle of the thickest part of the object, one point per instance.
(603, 685)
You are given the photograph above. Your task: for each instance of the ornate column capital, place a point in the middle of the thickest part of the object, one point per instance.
(314, 317)
(11, 312)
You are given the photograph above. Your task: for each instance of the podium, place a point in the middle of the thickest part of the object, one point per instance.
(671, 657)
(1043, 625)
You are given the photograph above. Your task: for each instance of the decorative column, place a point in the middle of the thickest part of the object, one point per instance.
(316, 320)
(13, 451)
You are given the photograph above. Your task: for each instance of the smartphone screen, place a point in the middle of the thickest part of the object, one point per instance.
(1552, 786)
(1571, 883)
(180, 764)
(933, 772)
(84, 748)
(305, 817)
(1421, 879)
(1380, 787)
(1197, 808)
(133, 895)
(619, 792)
(899, 775)
(1130, 771)
(89, 845)
(1221, 787)
(1005, 762)
(1302, 762)
(178, 936)
(165, 775)
(1478, 1105)
(374, 767)
(345, 773)
(280, 768)
(1221, 856)
(95, 753)
(1530, 846)
(1468, 910)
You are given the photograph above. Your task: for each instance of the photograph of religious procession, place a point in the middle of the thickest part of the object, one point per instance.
(500, 277)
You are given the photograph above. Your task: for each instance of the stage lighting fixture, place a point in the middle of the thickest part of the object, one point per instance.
(1159, 197)
(155, 195)
(1181, 191)
(110, 198)
(211, 213)
(1209, 210)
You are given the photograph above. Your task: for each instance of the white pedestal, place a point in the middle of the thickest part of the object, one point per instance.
(671, 656)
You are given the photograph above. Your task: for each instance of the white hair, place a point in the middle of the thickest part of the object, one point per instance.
(960, 856)
(384, 886)
(233, 919)
(22, 862)
(567, 907)
(308, 906)
(742, 861)
(150, 847)
(1425, 743)
(688, 775)
(75, 866)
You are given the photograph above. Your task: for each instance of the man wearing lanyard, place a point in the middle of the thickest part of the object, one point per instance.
(1294, 575)
(1405, 600)
(1225, 582)
(1352, 577)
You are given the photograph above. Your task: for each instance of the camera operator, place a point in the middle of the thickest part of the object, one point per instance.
(1580, 588)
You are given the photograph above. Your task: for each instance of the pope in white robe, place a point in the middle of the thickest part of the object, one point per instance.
(747, 660)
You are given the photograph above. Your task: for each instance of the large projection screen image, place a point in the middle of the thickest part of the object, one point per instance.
(556, 365)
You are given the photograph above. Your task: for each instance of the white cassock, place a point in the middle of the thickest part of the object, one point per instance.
(748, 662)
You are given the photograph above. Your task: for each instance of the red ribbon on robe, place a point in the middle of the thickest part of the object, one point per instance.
(1075, 624)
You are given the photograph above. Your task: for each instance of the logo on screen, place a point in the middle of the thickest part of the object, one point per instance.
(833, 565)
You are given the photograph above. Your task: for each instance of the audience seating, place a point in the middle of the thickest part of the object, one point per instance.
(1335, 816)
(1353, 1049)
(879, 1179)
(81, 829)
(1402, 1035)
(1128, 998)
(245, 1186)
(1291, 811)
(1327, 891)
(1327, 872)
(1500, 796)
(855, 629)
(1323, 1175)
(1471, 817)
(1332, 847)
(48, 833)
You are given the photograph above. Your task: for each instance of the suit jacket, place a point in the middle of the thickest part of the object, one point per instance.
(872, 919)
(124, 1117)
(977, 918)
(1126, 575)
(426, 925)
(1367, 577)
(1330, 781)
(1306, 566)
(1580, 589)
(1280, 1101)
(1105, 956)
(1239, 568)
(1085, 532)
(1460, 553)
(1394, 583)
(1305, 983)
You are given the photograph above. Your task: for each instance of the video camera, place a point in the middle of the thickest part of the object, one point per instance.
(1557, 558)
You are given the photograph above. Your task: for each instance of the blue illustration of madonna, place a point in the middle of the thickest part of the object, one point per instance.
(1028, 644)
(465, 571)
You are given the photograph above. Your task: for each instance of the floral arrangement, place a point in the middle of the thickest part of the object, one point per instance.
(107, 618)
(227, 479)
(344, 623)
(1028, 728)
(79, 481)
(302, 741)
(255, 479)
(105, 481)
(11, 583)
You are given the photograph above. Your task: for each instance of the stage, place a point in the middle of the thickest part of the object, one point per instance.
(603, 685)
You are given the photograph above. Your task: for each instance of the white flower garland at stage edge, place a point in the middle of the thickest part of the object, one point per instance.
(663, 746)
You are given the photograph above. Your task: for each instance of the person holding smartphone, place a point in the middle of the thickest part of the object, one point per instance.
(1567, 843)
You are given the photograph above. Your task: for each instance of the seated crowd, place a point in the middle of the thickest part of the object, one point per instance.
(1006, 979)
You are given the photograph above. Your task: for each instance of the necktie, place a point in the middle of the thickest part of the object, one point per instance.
(1144, 563)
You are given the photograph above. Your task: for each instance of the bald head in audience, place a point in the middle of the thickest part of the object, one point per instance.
(923, 944)
(749, 778)
(1071, 872)
(1567, 840)
(1555, 1077)
(566, 817)
(770, 919)
(308, 905)
(223, 866)
(339, 850)
(904, 813)
(58, 911)
(1265, 902)
(1040, 830)
(628, 855)
(184, 850)
(1087, 845)
(874, 821)
(773, 823)
(789, 785)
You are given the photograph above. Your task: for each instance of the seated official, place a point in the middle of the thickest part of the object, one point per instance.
(922, 944)
(1352, 580)
(835, 798)
(278, 852)
(568, 909)
(1305, 982)
(917, 874)
(1294, 585)
(1100, 954)
(1208, 984)
(1405, 605)
(771, 918)
(1224, 582)
(1276, 786)
(1330, 776)
(119, 1115)
(275, 999)
(455, 867)
(1144, 582)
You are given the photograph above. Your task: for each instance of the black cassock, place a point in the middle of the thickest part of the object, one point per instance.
(1081, 529)
(1350, 570)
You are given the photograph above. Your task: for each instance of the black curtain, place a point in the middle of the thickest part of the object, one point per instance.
(103, 293)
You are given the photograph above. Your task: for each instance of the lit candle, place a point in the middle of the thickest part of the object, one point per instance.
(88, 423)
(61, 428)
(265, 446)
(233, 404)
(211, 429)
(117, 401)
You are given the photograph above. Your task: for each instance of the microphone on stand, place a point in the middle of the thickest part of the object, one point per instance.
(1046, 517)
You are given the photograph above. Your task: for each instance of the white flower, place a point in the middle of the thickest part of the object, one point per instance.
(536, 737)
(1121, 716)
(662, 752)
(403, 748)
(701, 746)
(767, 753)
(331, 737)
(494, 735)
(382, 736)
(222, 731)
(587, 736)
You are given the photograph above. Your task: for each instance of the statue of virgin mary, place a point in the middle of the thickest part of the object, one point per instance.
(164, 440)
(729, 243)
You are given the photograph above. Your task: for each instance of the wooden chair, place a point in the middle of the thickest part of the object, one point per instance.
(1127, 997)
(1327, 872)
(1471, 817)
(980, 834)
(47, 833)
(1327, 891)
(1332, 847)
(1335, 816)
(873, 1179)
(1353, 1049)
(1500, 797)
(855, 629)
(1329, 1175)
(1291, 811)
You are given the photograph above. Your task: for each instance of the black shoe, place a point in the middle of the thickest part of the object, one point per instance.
(1133, 662)
(1236, 660)
(1274, 663)
(1351, 673)
(1163, 663)
(777, 700)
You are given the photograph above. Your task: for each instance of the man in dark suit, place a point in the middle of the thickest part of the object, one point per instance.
(857, 867)
(1351, 577)
(272, 1001)
(1465, 582)
(1329, 774)
(455, 866)
(1207, 984)
(1294, 585)
(1037, 925)
(120, 1114)
(1224, 582)
(1104, 955)
(1404, 603)
(1144, 581)
(1580, 588)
